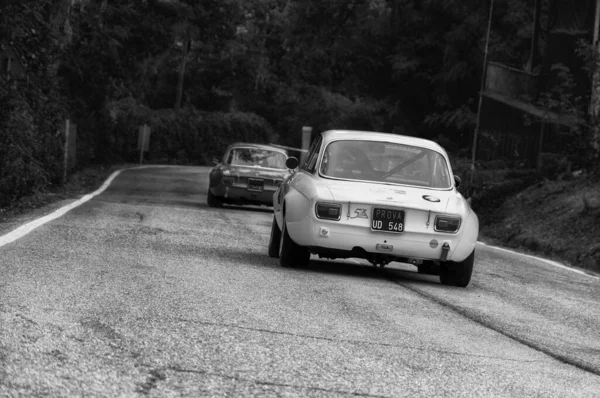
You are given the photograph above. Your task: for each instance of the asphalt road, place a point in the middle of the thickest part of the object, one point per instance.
(145, 291)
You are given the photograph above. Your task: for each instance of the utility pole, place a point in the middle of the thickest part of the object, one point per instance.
(595, 94)
(533, 54)
(482, 87)
(533, 61)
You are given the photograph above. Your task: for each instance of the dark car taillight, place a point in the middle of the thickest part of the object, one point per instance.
(329, 211)
(449, 224)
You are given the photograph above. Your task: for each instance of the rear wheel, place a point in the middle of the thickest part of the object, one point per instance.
(212, 200)
(274, 240)
(457, 273)
(291, 254)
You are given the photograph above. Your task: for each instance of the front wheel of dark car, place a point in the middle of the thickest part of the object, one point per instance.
(274, 240)
(457, 273)
(291, 254)
(212, 200)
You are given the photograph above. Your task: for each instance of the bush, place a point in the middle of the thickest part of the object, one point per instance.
(187, 136)
(20, 172)
(223, 129)
(291, 107)
(489, 191)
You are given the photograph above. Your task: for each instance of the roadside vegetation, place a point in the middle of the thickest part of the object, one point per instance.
(205, 74)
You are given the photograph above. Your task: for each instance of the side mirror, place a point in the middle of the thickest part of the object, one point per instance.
(215, 161)
(291, 162)
(457, 181)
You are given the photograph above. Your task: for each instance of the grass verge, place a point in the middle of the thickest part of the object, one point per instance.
(43, 202)
(557, 219)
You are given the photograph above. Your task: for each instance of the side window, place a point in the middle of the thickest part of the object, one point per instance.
(445, 178)
(440, 174)
(310, 160)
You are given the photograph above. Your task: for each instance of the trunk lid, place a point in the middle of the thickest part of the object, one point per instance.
(390, 195)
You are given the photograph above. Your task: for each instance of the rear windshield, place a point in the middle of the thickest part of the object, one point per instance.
(256, 157)
(385, 162)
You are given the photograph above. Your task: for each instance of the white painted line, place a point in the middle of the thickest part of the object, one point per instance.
(27, 228)
(544, 260)
(30, 226)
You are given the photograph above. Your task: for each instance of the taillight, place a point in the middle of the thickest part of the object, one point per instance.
(447, 224)
(329, 211)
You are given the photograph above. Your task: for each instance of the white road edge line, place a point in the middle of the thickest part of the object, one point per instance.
(30, 226)
(544, 260)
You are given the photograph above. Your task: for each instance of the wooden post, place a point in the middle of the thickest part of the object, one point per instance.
(186, 46)
(143, 140)
(142, 149)
(538, 160)
(66, 151)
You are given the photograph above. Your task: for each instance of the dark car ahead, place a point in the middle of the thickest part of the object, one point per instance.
(247, 174)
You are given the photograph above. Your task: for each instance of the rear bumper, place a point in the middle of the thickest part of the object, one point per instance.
(327, 235)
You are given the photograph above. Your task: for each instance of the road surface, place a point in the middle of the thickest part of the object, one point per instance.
(145, 291)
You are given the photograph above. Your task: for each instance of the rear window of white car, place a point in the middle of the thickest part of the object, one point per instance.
(385, 162)
(256, 157)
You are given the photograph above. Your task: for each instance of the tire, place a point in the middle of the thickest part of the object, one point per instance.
(212, 200)
(292, 255)
(457, 273)
(274, 240)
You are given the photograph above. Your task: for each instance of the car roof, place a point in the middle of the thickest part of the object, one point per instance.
(333, 135)
(257, 146)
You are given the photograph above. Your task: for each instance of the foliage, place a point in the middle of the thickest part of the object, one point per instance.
(184, 136)
(567, 103)
(309, 105)
(20, 172)
(31, 110)
(204, 74)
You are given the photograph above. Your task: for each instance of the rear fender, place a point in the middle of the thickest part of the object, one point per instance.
(468, 240)
(296, 207)
(215, 177)
(278, 205)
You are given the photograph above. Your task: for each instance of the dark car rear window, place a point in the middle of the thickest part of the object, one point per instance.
(256, 157)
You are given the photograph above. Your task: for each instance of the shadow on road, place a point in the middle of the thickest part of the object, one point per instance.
(346, 268)
(256, 209)
(340, 267)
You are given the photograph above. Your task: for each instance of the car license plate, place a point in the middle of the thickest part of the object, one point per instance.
(387, 220)
(255, 184)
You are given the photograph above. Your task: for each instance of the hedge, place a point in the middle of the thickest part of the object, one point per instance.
(186, 136)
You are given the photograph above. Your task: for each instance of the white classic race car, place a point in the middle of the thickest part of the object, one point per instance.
(377, 196)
